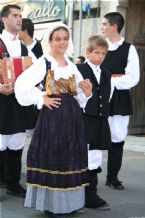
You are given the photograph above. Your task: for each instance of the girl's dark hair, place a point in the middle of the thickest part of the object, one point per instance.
(56, 29)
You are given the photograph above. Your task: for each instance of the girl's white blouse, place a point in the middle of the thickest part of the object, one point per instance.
(26, 91)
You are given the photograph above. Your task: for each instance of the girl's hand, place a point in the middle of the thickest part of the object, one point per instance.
(86, 86)
(51, 102)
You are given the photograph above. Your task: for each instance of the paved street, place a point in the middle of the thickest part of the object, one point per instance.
(129, 203)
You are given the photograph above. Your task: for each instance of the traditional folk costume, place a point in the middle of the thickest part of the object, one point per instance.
(123, 63)
(36, 49)
(98, 136)
(57, 156)
(14, 120)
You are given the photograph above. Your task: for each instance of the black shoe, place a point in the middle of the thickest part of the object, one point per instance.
(105, 206)
(79, 211)
(118, 181)
(53, 215)
(16, 190)
(2, 184)
(117, 185)
(97, 203)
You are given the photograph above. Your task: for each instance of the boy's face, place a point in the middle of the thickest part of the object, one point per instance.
(22, 34)
(108, 30)
(97, 55)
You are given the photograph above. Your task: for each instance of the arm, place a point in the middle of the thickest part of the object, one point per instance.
(26, 91)
(84, 89)
(132, 72)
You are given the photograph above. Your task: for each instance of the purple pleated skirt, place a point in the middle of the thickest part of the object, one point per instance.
(57, 156)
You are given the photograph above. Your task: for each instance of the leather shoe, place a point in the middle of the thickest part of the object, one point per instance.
(2, 184)
(97, 203)
(16, 190)
(105, 206)
(117, 185)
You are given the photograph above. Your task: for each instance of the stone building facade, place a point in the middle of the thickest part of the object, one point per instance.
(84, 18)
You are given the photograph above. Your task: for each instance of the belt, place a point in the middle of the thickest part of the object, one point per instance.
(117, 75)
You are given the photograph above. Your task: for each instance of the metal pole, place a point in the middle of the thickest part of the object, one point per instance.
(80, 27)
(70, 21)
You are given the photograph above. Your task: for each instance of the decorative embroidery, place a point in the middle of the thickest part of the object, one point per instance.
(56, 172)
(59, 189)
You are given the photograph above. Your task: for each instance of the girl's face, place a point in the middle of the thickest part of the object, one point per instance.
(59, 41)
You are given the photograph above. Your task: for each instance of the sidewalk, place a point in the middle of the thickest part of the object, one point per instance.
(128, 203)
(135, 143)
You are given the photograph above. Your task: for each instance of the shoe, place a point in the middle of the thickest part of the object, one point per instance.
(97, 203)
(50, 214)
(105, 206)
(16, 190)
(119, 181)
(2, 184)
(117, 185)
(80, 211)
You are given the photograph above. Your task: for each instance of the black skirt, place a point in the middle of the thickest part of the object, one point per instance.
(57, 156)
(15, 118)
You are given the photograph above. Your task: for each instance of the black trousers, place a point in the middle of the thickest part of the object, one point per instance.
(10, 166)
(91, 190)
(2, 165)
(115, 155)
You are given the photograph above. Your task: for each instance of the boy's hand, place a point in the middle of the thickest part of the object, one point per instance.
(86, 86)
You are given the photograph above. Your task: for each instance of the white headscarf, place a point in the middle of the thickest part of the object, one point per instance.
(56, 26)
(45, 42)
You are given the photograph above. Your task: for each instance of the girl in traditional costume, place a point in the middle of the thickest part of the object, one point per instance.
(57, 156)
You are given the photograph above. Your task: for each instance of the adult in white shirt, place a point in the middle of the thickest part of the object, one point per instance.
(1, 27)
(123, 62)
(13, 119)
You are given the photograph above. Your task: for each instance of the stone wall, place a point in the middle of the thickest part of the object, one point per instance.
(92, 26)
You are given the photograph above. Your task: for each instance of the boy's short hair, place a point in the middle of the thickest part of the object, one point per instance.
(115, 18)
(81, 58)
(28, 25)
(96, 41)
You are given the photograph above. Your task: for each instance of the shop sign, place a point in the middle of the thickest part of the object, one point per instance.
(44, 10)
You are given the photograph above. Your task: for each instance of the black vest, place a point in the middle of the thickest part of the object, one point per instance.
(116, 62)
(37, 50)
(15, 118)
(98, 104)
(24, 51)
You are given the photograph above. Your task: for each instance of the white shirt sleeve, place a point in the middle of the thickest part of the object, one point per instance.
(81, 97)
(26, 91)
(31, 54)
(132, 72)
